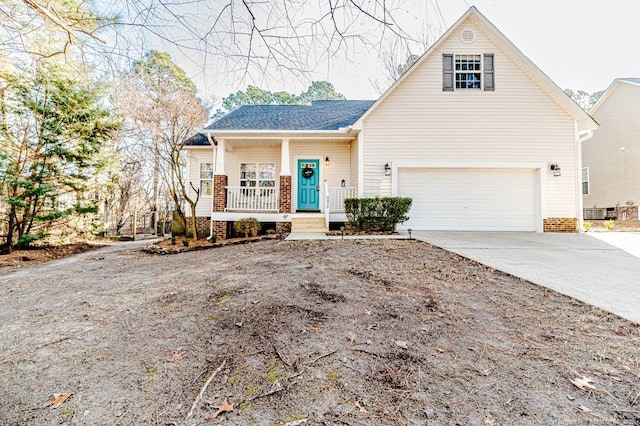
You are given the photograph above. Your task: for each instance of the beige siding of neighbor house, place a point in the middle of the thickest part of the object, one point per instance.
(196, 157)
(613, 154)
(516, 123)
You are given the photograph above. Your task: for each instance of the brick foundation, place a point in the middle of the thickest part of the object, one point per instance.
(285, 195)
(220, 229)
(560, 224)
(627, 212)
(219, 204)
(202, 225)
(285, 227)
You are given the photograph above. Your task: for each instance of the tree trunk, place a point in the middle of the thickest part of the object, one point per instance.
(134, 224)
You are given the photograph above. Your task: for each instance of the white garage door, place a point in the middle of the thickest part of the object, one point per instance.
(470, 199)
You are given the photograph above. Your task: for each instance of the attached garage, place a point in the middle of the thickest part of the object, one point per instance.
(469, 199)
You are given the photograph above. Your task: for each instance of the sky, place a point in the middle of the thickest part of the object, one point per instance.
(579, 44)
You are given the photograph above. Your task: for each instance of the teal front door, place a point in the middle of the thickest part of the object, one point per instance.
(309, 185)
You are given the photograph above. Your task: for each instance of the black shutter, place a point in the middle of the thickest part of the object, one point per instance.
(489, 77)
(447, 72)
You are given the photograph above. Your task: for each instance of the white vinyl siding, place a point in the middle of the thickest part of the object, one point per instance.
(197, 158)
(516, 123)
(354, 164)
(613, 153)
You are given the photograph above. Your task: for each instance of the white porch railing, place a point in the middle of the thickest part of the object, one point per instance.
(243, 198)
(337, 196)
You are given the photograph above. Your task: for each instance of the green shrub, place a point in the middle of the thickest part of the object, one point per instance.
(26, 239)
(377, 214)
(248, 227)
(587, 225)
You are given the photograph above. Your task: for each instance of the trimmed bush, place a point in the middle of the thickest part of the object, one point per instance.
(377, 214)
(248, 227)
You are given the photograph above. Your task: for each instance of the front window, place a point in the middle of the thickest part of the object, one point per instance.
(206, 179)
(585, 181)
(262, 175)
(468, 71)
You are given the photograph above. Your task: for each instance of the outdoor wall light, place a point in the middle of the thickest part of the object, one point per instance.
(343, 183)
(556, 169)
(326, 161)
(387, 170)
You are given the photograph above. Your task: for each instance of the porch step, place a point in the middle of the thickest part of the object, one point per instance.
(308, 224)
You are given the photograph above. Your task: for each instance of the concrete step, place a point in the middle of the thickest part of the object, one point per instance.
(308, 224)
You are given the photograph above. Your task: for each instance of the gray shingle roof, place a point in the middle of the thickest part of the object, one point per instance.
(320, 115)
(632, 80)
(198, 139)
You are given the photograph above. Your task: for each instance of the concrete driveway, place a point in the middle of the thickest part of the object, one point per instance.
(582, 266)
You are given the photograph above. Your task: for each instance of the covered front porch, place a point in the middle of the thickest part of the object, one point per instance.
(279, 178)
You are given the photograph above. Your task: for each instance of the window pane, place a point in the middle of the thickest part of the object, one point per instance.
(268, 171)
(206, 188)
(206, 170)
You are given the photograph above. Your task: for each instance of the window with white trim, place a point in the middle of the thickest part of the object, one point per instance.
(262, 175)
(585, 181)
(468, 72)
(206, 179)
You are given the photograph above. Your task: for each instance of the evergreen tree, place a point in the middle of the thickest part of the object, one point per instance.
(54, 126)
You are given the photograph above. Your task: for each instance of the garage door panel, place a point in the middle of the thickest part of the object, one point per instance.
(470, 199)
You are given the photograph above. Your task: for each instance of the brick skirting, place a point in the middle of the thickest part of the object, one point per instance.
(285, 195)
(202, 225)
(220, 229)
(560, 224)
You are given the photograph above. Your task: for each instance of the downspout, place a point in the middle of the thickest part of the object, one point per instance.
(214, 152)
(580, 137)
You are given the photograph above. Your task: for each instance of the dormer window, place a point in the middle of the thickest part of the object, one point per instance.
(468, 72)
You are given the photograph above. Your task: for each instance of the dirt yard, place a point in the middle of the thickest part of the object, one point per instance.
(369, 332)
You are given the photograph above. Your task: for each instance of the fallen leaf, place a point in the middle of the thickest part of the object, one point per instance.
(583, 383)
(224, 407)
(361, 408)
(585, 409)
(58, 400)
(490, 421)
(177, 356)
(402, 344)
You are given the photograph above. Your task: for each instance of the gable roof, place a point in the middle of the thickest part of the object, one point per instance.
(585, 121)
(630, 80)
(320, 115)
(614, 84)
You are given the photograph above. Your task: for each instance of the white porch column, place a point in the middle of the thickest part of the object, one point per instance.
(219, 170)
(285, 167)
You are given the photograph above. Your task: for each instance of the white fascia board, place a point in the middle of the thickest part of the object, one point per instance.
(345, 133)
(201, 147)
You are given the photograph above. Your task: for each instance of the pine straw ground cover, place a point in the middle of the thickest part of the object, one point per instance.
(371, 332)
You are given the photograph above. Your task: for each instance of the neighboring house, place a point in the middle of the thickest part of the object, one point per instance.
(611, 159)
(474, 132)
